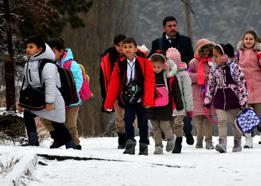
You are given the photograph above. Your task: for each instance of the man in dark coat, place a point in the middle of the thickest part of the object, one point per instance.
(172, 38)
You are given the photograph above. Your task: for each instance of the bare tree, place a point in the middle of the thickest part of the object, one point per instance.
(105, 19)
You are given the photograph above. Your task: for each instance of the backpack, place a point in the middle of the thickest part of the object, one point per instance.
(247, 120)
(68, 88)
(85, 92)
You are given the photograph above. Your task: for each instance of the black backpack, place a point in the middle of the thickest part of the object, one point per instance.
(68, 87)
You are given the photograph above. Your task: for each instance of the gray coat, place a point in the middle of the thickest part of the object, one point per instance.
(50, 77)
(186, 92)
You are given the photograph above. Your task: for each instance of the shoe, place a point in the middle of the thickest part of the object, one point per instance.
(222, 146)
(56, 144)
(78, 147)
(170, 144)
(189, 139)
(32, 140)
(158, 150)
(237, 146)
(143, 149)
(70, 145)
(249, 141)
(121, 141)
(209, 146)
(199, 144)
(130, 147)
(178, 145)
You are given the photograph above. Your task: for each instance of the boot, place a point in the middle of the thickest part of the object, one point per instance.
(70, 145)
(57, 142)
(170, 144)
(130, 147)
(189, 139)
(199, 143)
(249, 141)
(178, 145)
(78, 147)
(209, 146)
(121, 141)
(222, 145)
(32, 139)
(143, 149)
(158, 150)
(237, 145)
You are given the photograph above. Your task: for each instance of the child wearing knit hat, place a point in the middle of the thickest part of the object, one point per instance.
(186, 96)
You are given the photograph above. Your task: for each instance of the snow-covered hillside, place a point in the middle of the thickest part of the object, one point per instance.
(101, 163)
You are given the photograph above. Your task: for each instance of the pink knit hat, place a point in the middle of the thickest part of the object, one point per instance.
(174, 54)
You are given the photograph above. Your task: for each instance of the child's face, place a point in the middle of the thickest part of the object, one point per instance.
(58, 53)
(31, 49)
(158, 66)
(249, 41)
(217, 56)
(206, 52)
(129, 50)
(119, 47)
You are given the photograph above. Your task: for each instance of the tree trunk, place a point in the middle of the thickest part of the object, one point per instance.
(105, 19)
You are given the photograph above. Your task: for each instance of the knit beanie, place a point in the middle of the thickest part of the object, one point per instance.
(174, 54)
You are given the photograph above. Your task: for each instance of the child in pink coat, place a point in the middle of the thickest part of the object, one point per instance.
(249, 59)
(199, 68)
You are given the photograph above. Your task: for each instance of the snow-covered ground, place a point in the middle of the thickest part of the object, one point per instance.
(101, 163)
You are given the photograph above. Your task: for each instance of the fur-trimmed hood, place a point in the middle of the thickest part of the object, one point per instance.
(240, 46)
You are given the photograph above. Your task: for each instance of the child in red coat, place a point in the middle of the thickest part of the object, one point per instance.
(132, 82)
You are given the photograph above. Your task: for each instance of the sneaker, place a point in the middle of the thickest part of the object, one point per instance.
(158, 150)
(209, 146)
(170, 144)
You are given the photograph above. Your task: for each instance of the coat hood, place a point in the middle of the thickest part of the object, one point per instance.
(240, 46)
(68, 55)
(47, 54)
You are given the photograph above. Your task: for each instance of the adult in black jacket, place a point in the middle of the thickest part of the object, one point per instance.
(172, 38)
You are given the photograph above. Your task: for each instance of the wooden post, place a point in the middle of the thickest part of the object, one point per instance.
(9, 63)
(188, 29)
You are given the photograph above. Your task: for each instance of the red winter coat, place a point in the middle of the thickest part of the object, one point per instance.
(116, 87)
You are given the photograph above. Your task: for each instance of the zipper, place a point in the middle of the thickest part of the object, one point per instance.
(30, 78)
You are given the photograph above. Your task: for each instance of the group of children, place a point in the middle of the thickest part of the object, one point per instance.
(162, 89)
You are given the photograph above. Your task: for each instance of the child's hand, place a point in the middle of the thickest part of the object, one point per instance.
(49, 106)
(108, 110)
(20, 109)
(147, 107)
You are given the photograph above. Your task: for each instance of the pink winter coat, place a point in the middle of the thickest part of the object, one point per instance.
(251, 64)
(198, 101)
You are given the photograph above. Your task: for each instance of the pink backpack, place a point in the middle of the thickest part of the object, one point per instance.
(85, 92)
(162, 96)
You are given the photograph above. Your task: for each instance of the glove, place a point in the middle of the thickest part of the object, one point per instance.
(259, 55)
(189, 114)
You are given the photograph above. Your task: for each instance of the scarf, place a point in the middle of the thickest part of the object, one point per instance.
(201, 70)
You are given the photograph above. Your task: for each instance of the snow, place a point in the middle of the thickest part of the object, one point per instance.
(103, 164)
